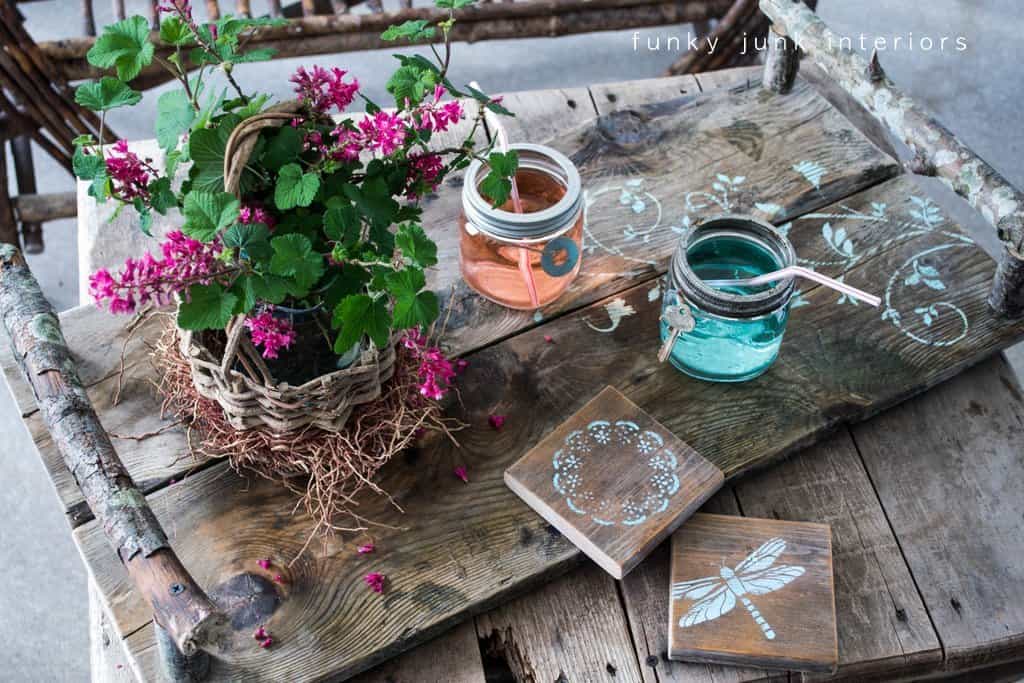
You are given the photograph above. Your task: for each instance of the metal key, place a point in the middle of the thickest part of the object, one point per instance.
(679, 320)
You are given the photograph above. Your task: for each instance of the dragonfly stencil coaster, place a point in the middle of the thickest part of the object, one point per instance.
(614, 481)
(753, 592)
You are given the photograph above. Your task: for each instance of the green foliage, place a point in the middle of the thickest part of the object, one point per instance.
(411, 82)
(416, 246)
(174, 31)
(175, 115)
(161, 196)
(283, 148)
(488, 101)
(342, 224)
(497, 186)
(124, 46)
(208, 213)
(413, 307)
(295, 188)
(295, 259)
(453, 4)
(87, 166)
(105, 94)
(207, 307)
(252, 241)
(360, 314)
(412, 30)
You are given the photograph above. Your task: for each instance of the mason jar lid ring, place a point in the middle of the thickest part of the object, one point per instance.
(526, 227)
(717, 301)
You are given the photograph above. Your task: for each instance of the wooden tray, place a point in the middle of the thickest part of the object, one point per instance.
(463, 548)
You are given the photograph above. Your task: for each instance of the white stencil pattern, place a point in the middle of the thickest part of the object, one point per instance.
(574, 478)
(715, 596)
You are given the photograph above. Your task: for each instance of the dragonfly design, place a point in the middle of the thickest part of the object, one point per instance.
(717, 595)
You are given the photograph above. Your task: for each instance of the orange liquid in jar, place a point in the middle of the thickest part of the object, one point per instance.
(492, 266)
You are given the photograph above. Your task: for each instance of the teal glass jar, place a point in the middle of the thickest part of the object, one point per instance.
(731, 333)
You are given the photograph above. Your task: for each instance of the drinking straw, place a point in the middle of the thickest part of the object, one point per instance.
(501, 141)
(799, 271)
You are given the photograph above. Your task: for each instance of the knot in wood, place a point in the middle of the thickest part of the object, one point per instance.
(627, 127)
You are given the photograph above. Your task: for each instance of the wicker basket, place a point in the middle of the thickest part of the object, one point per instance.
(240, 381)
(242, 385)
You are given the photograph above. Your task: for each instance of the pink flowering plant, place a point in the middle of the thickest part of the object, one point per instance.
(329, 214)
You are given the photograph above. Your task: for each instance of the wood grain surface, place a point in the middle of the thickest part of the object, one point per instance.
(468, 547)
(613, 481)
(745, 611)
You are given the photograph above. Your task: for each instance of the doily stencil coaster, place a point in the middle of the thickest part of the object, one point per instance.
(753, 592)
(614, 481)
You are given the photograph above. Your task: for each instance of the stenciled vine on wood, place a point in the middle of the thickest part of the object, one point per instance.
(938, 323)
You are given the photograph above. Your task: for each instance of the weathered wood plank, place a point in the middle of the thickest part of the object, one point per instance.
(108, 660)
(787, 619)
(453, 657)
(573, 629)
(663, 154)
(645, 593)
(96, 341)
(960, 532)
(883, 625)
(609, 97)
(838, 363)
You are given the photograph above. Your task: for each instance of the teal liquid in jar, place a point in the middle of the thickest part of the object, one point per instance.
(737, 330)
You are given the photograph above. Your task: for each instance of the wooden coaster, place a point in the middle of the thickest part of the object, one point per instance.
(753, 592)
(613, 481)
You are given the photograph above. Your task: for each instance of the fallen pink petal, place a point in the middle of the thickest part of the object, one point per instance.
(267, 642)
(366, 548)
(278, 579)
(462, 474)
(375, 580)
(549, 339)
(263, 563)
(260, 634)
(496, 422)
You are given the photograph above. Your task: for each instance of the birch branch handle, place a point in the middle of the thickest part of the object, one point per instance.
(179, 605)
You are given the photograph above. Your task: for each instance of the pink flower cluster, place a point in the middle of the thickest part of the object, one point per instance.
(383, 132)
(424, 170)
(436, 372)
(185, 262)
(437, 116)
(375, 580)
(129, 173)
(323, 88)
(250, 214)
(273, 334)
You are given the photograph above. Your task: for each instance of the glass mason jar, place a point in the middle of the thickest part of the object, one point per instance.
(524, 260)
(736, 331)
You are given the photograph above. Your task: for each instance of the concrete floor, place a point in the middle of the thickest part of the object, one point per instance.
(977, 93)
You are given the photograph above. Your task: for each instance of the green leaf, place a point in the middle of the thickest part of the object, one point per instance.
(420, 311)
(174, 116)
(206, 149)
(342, 224)
(252, 240)
(413, 308)
(416, 246)
(453, 4)
(124, 46)
(360, 314)
(207, 213)
(100, 187)
(414, 29)
(106, 93)
(374, 200)
(410, 82)
(497, 186)
(294, 257)
(284, 147)
(88, 166)
(208, 307)
(295, 188)
(487, 101)
(161, 196)
(174, 31)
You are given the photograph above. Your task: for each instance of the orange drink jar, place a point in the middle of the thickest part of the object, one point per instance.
(524, 260)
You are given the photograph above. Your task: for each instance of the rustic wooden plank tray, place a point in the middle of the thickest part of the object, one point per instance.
(463, 548)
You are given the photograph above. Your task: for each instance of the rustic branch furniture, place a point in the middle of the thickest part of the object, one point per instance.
(37, 104)
(922, 499)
